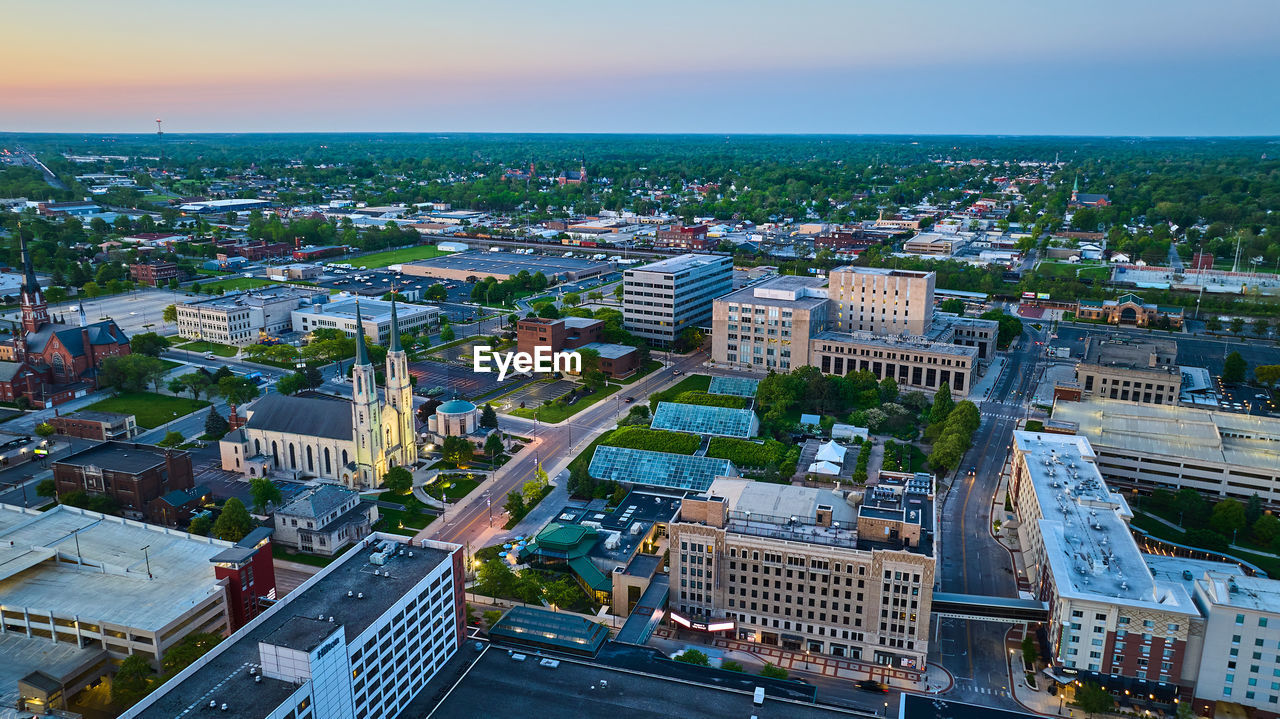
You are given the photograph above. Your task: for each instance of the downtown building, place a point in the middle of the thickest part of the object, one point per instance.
(843, 574)
(857, 320)
(663, 299)
(372, 315)
(359, 639)
(1130, 369)
(244, 318)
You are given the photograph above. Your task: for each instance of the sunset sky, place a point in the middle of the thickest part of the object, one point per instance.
(1141, 67)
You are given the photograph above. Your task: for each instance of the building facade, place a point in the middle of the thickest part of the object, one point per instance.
(1129, 309)
(804, 569)
(134, 475)
(154, 274)
(573, 333)
(882, 301)
(769, 326)
(663, 299)
(373, 315)
(244, 318)
(1239, 664)
(100, 426)
(1142, 370)
(680, 237)
(323, 520)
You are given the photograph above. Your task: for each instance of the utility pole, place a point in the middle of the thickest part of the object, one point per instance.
(147, 556)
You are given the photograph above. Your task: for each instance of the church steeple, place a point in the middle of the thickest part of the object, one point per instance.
(83, 322)
(362, 351)
(397, 418)
(35, 311)
(366, 417)
(394, 346)
(1075, 188)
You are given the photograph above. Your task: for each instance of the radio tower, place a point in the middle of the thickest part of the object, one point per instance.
(159, 129)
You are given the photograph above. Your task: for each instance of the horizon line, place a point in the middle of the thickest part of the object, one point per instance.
(608, 133)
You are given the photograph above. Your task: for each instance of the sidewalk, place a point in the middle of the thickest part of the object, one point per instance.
(982, 388)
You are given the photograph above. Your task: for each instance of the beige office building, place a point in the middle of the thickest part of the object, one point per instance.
(913, 362)
(883, 301)
(841, 574)
(1130, 369)
(244, 318)
(768, 327)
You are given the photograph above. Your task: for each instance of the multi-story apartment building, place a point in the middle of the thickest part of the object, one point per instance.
(1110, 616)
(810, 569)
(154, 274)
(359, 639)
(1152, 446)
(375, 316)
(1130, 369)
(769, 326)
(243, 318)
(1239, 664)
(693, 237)
(882, 301)
(663, 299)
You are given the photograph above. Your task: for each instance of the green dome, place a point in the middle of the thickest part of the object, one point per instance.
(456, 406)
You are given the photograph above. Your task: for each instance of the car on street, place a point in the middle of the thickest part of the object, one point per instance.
(628, 400)
(870, 685)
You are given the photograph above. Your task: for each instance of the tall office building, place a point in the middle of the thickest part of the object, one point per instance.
(844, 574)
(882, 301)
(662, 300)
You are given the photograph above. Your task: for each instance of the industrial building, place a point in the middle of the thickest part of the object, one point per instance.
(661, 300)
(467, 266)
(359, 639)
(82, 591)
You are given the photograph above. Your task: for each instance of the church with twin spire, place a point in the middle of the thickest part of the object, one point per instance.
(352, 442)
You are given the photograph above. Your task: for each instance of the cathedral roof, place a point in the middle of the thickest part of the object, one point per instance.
(307, 416)
(100, 333)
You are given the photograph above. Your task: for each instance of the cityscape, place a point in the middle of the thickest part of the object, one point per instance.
(378, 381)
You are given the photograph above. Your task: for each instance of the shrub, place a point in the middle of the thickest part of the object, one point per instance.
(711, 400)
(745, 453)
(654, 440)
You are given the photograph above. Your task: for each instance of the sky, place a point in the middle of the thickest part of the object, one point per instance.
(1085, 67)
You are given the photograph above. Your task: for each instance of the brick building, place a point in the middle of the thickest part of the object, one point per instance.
(154, 274)
(693, 237)
(573, 333)
(135, 475)
(100, 426)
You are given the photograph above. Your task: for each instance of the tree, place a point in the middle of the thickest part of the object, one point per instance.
(437, 293)
(132, 680)
(398, 480)
(46, 488)
(1237, 326)
(457, 450)
(488, 417)
(573, 299)
(1030, 653)
(182, 654)
(1191, 506)
(237, 390)
(888, 389)
(1228, 517)
(595, 379)
(130, 373)
(170, 313)
(694, 657)
(54, 295)
(200, 525)
(953, 305)
(215, 425)
(234, 522)
(194, 382)
(292, 384)
(493, 445)
(942, 404)
(495, 579)
(148, 343)
(1233, 368)
(314, 378)
(1266, 529)
(563, 593)
(171, 439)
(447, 334)
(1261, 327)
(44, 429)
(91, 289)
(515, 505)
(773, 671)
(731, 666)
(1093, 699)
(1252, 509)
(1267, 374)
(264, 493)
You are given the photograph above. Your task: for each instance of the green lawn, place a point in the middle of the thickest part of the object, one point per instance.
(399, 521)
(150, 409)
(315, 560)
(170, 364)
(645, 369)
(454, 489)
(204, 346)
(554, 413)
(232, 284)
(395, 257)
(1099, 274)
(691, 383)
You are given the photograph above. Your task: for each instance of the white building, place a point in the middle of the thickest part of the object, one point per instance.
(323, 519)
(243, 318)
(359, 639)
(373, 315)
(1239, 664)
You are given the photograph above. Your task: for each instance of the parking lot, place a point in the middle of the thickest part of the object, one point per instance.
(135, 312)
(535, 394)
(452, 377)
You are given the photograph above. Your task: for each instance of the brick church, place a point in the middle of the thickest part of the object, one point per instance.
(51, 362)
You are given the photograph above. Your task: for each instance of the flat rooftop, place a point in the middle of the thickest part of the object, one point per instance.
(680, 263)
(119, 457)
(225, 677)
(609, 351)
(370, 309)
(96, 416)
(1086, 536)
(1230, 438)
(788, 291)
(705, 419)
(575, 689)
(1239, 591)
(1137, 353)
(886, 271)
(255, 297)
(786, 512)
(894, 342)
(39, 571)
(509, 263)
